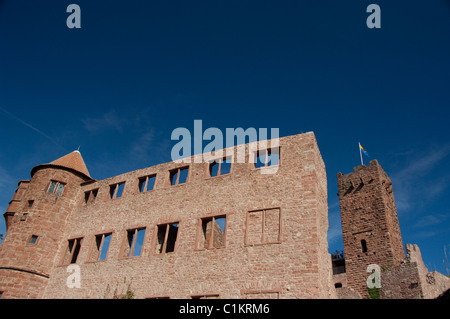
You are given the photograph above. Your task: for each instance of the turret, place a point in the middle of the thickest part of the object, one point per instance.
(35, 219)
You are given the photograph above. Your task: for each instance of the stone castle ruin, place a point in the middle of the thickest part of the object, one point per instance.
(216, 229)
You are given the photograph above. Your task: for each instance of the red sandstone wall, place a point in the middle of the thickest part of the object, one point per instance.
(368, 213)
(295, 266)
(25, 267)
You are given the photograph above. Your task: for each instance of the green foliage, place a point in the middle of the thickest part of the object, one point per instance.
(129, 295)
(373, 293)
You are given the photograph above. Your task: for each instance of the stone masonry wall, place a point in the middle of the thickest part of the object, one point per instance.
(411, 279)
(371, 232)
(25, 265)
(289, 207)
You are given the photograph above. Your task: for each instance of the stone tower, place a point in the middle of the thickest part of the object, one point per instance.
(370, 226)
(35, 221)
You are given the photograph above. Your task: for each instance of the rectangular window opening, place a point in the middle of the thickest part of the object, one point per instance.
(60, 188)
(134, 242)
(142, 184)
(94, 194)
(260, 160)
(174, 177)
(120, 188)
(90, 196)
(212, 232)
(166, 238)
(52, 186)
(101, 247)
(30, 203)
(147, 183)
(364, 246)
(56, 187)
(73, 249)
(179, 176)
(268, 157)
(225, 166)
(33, 239)
(116, 190)
(112, 191)
(220, 167)
(214, 169)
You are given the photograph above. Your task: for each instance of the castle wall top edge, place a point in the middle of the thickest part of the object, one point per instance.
(181, 162)
(372, 164)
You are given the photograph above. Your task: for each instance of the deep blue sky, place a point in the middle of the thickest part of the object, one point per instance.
(137, 70)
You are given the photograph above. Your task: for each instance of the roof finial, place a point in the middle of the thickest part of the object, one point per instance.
(78, 149)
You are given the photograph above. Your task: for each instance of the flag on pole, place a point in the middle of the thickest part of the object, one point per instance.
(363, 150)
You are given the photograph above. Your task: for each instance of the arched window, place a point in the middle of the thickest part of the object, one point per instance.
(364, 246)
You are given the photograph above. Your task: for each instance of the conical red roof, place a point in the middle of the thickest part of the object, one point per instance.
(74, 161)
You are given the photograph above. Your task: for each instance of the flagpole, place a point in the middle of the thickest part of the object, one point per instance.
(360, 153)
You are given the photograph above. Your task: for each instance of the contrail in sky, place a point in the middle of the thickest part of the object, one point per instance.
(30, 126)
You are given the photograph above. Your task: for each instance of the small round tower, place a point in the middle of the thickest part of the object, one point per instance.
(35, 221)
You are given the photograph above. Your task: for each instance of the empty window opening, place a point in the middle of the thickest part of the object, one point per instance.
(33, 239)
(101, 245)
(116, 190)
(338, 285)
(30, 203)
(56, 187)
(220, 167)
(268, 157)
(214, 169)
(147, 183)
(73, 249)
(166, 238)
(263, 226)
(364, 246)
(90, 196)
(212, 234)
(134, 242)
(179, 175)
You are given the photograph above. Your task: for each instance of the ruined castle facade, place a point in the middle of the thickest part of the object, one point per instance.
(207, 229)
(174, 230)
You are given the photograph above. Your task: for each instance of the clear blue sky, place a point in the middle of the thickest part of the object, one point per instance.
(137, 70)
